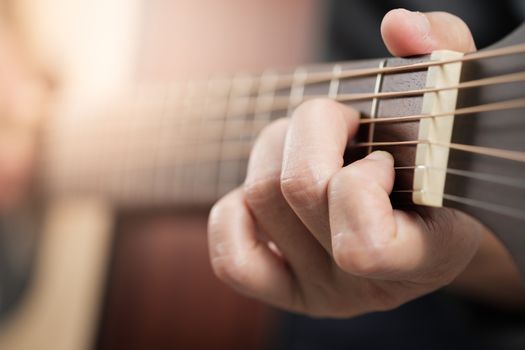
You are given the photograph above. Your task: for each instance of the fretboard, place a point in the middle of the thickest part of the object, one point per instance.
(188, 143)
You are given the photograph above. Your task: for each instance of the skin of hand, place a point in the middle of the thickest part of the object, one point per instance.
(307, 234)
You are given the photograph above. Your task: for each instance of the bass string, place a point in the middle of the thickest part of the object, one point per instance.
(269, 103)
(256, 104)
(489, 206)
(465, 111)
(477, 203)
(241, 151)
(280, 82)
(285, 81)
(314, 78)
(487, 177)
(233, 131)
(239, 146)
(517, 156)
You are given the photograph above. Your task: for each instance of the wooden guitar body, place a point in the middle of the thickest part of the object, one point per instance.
(59, 307)
(162, 292)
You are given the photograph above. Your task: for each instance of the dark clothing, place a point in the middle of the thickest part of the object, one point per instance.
(354, 25)
(439, 320)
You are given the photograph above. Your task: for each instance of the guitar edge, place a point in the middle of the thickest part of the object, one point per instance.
(59, 310)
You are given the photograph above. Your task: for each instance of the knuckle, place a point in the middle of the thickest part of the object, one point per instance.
(230, 269)
(216, 210)
(260, 191)
(362, 262)
(301, 187)
(257, 188)
(337, 182)
(219, 211)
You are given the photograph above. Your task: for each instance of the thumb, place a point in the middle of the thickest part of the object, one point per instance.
(407, 33)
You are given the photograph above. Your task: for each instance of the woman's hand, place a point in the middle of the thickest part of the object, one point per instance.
(307, 234)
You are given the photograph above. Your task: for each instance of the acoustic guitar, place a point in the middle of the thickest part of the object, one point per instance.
(453, 122)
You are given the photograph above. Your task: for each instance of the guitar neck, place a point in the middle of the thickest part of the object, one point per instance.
(188, 143)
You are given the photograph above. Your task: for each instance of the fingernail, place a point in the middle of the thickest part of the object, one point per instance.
(380, 155)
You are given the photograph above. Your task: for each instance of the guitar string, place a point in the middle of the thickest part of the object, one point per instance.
(321, 77)
(481, 204)
(506, 154)
(487, 177)
(517, 156)
(283, 103)
(460, 112)
(464, 111)
(437, 63)
(286, 80)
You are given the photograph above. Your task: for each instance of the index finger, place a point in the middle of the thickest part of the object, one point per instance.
(315, 144)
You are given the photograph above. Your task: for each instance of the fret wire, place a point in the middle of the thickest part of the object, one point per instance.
(285, 80)
(333, 89)
(494, 152)
(251, 83)
(123, 141)
(374, 107)
(220, 131)
(284, 103)
(198, 182)
(465, 111)
(297, 89)
(224, 179)
(313, 78)
(320, 77)
(265, 99)
(181, 186)
(194, 172)
(129, 128)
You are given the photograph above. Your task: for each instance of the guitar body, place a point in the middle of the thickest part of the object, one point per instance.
(162, 293)
(59, 307)
(499, 129)
(133, 280)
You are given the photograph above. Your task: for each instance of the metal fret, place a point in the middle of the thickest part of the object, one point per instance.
(297, 90)
(264, 102)
(205, 184)
(182, 178)
(375, 102)
(230, 170)
(333, 90)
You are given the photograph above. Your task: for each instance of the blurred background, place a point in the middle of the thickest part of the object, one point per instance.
(144, 282)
